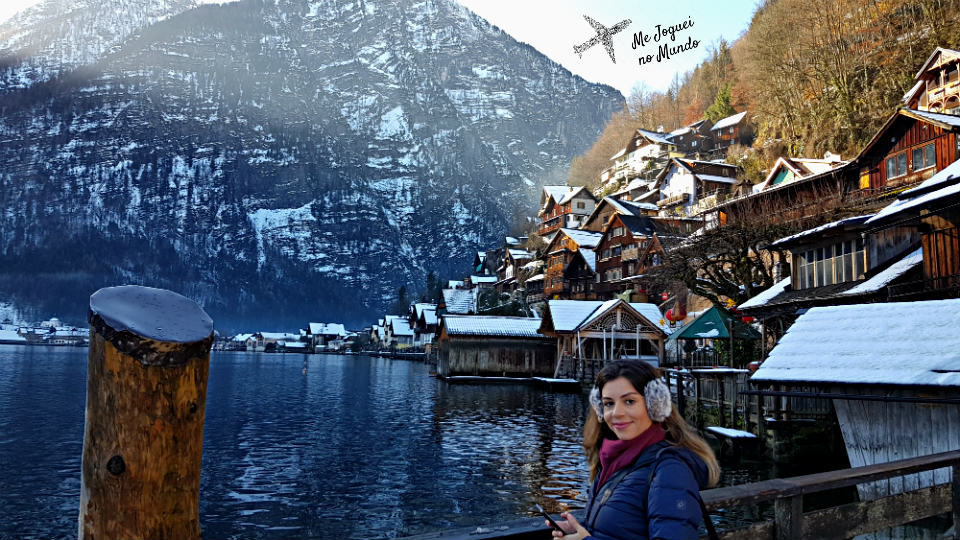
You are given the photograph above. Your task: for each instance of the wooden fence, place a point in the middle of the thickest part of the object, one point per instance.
(787, 496)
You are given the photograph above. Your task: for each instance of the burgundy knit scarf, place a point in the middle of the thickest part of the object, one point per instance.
(617, 454)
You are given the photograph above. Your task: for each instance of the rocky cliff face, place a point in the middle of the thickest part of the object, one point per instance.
(278, 161)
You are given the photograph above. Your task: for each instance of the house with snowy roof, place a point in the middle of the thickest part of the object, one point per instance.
(937, 87)
(608, 206)
(734, 129)
(932, 211)
(787, 170)
(423, 320)
(319, 335)
(564, 206)
(892, 373)
(559, 253)
(591, 333)
(639, 157)
(695, 138)
(493, 346)
(835, 264)
(459, 301)
(689, 187)
(628, 247)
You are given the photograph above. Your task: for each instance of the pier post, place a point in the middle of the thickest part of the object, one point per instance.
(788, 516)
(146, 399)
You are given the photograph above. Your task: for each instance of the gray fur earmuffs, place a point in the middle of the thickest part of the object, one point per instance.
(656, 397)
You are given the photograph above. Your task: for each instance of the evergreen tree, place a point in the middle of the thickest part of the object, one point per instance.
(403, 301)
(721, 107)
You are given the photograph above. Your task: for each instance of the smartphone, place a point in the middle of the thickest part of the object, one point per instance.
(553, 524)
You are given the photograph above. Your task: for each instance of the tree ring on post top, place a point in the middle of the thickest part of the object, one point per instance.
(156, 326)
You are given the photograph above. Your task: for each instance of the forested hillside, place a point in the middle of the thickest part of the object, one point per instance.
(815, 76)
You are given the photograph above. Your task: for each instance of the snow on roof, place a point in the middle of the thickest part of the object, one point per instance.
(557, 192)
(532, 265)
(487, 325)
(729, 121)
(910, 93)
(659, 138)
(400, 327)
(680, 131)
(767, 295)
(454, 283)
(948, 119)
(538, 277)
(327, 329)
(822, 228)
(520, 253)
(430, 316)
(242, 337)
(11, 336)
(588, 239)
(716, 178)
(943, 184)
(731, 433)
(884, 278)
(902, 343)
(589, 257)
(568, 314)
(280, 336)
(483, 279)
(571, 194)
(461, 300)
(420, 307)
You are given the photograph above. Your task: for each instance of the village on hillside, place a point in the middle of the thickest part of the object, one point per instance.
(855, 302)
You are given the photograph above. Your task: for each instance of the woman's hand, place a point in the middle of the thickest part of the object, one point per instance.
(573, 529)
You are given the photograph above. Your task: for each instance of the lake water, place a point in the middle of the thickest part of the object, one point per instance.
(314, 446)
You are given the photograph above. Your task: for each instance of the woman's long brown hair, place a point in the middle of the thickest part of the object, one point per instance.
(678, 432)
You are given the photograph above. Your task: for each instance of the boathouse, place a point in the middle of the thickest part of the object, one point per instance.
(590, 333)
(892, 371)
(493, 346)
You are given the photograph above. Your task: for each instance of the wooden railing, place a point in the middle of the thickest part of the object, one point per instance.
(786, 494)
(845, 521)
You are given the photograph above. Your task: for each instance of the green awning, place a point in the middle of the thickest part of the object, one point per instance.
(714, 324)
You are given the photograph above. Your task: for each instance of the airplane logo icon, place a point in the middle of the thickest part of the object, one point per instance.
(604, 35)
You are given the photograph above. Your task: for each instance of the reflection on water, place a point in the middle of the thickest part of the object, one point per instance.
(316, 446)
(313, 446)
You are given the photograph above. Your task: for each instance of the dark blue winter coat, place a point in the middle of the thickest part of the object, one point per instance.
(652, 498)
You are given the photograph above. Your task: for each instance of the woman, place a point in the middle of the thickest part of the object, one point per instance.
(646, 464)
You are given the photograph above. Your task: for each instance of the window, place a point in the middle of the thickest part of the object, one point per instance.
(617, 231)
(581, 205)
(897, 165)
(924, 157)
(694, 144)
(830, 265)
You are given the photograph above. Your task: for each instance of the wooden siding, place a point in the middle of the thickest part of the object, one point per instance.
(941, 253)
(879, 432)
(496, 357)
(908, 133)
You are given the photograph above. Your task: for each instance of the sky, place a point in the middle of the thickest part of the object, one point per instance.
(554, 27)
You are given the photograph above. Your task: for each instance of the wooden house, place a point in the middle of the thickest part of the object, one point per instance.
(690, 187)
(560, 253)
(932, 210)
(564, 206)
(735, 129)
(581, 275)
(695, 138)
(602, 331)
(910, 147)
(423, 319)
(508, 272)
(608, 206)
(639, 157)
(459, 301)
(835, 264)
(937, 87)
(787, 170)
(890, 370)
(629, 245)
(319, 335)
(493, 347)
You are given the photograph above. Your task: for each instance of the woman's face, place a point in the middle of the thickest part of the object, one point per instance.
(624, 409)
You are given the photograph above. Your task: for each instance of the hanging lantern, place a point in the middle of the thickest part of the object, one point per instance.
(665, 296)
(747, 319)
(669, 315)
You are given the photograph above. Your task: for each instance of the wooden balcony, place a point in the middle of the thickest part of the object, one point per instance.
(630, 254)
(675, 200)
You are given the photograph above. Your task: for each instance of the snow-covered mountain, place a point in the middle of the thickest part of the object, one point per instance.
(276, 160)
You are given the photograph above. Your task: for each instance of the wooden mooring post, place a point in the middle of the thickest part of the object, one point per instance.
(146, 399)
